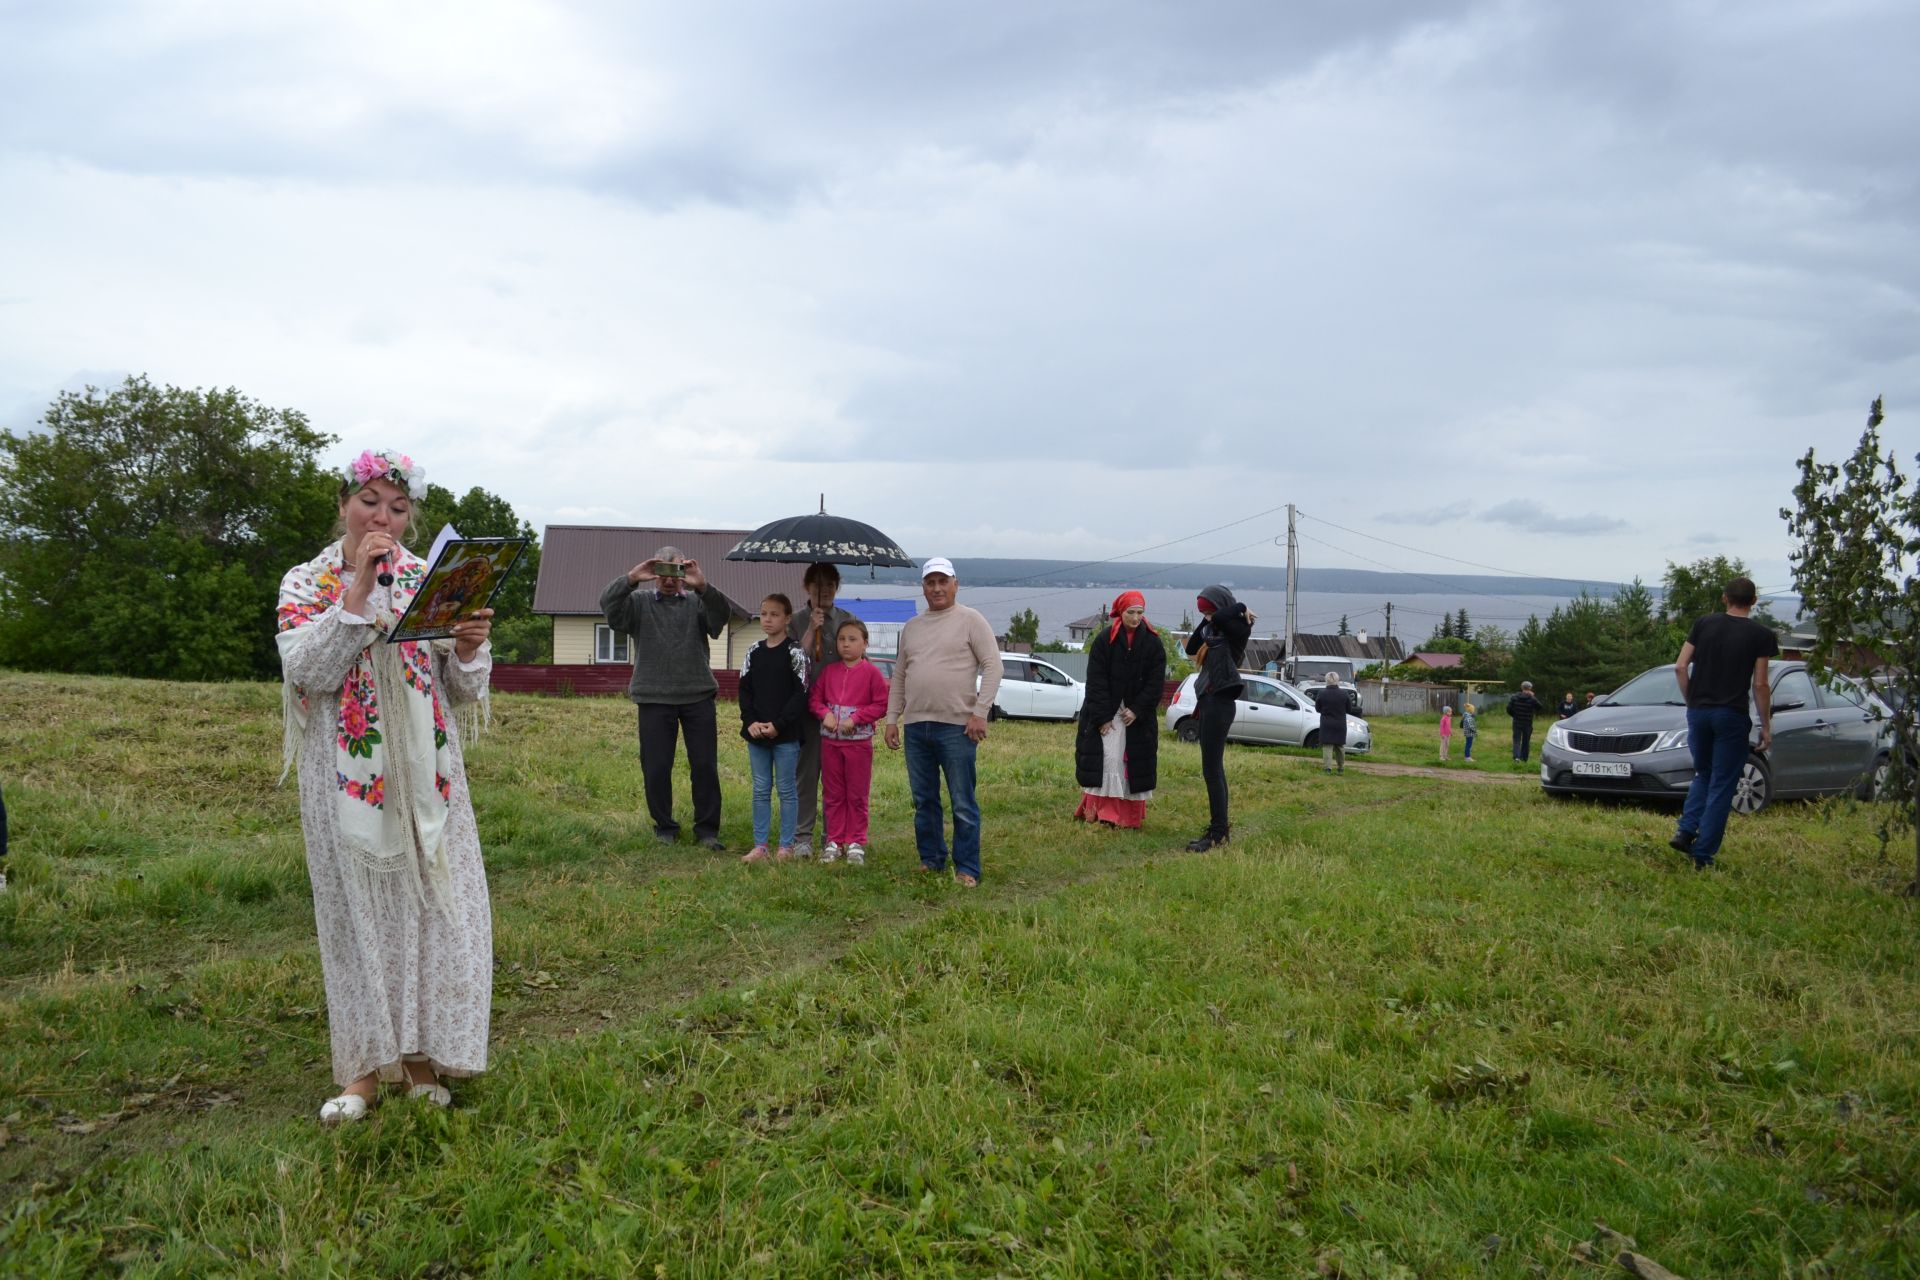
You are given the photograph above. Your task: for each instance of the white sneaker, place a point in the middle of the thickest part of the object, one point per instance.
(856, 856)
(831, 853)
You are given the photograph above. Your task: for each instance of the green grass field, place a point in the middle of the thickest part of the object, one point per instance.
(1403, 1026)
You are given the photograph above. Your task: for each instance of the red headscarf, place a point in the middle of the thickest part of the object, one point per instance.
(1121, 603)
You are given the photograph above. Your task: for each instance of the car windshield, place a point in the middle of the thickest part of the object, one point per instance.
(1656, 688)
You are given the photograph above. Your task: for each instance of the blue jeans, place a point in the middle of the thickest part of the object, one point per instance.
(775, 763)
(1717, 736)
(933, 749)
(1469, 752)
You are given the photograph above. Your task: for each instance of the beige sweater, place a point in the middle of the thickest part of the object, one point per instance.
(939, 656)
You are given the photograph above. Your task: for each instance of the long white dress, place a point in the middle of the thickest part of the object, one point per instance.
(404, 978)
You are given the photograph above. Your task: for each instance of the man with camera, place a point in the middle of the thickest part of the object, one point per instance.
(671, 612)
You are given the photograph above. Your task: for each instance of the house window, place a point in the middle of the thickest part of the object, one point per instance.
(609, 645)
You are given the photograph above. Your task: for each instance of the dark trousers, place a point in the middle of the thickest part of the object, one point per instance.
(808, 778)
(1216, 717)
(660, 724)
(1522, 739)
(1718, 738)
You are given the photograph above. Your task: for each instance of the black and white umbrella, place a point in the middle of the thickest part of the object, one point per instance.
(820, 537)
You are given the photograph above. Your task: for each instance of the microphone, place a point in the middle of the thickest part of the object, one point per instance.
(385, 576)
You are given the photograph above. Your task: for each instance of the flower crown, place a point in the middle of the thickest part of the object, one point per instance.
(395, 468)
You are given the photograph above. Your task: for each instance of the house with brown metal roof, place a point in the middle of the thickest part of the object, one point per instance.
(577, 561)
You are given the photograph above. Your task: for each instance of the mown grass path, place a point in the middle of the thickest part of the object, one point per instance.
(1398, 1028)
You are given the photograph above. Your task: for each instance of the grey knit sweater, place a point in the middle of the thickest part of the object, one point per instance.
(670, 634)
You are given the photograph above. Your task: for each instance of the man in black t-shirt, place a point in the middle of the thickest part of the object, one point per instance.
(1724, 658)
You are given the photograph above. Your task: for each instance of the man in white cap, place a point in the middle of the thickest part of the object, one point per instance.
(940, 656)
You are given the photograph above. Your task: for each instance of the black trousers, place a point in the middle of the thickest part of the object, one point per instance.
(1216, 717)
(660, 724)
(1522, 739)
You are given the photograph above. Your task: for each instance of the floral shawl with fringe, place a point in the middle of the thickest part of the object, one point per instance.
(391, 764)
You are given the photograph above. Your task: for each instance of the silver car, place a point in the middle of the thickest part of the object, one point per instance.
(1268, 711)
(1828, 739)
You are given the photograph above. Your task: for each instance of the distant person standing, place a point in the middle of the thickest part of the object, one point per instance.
(816, 628)
(1332, 703)
(1117, 749)
(1469, 726)
(1523, 707)
(1724, 659)
(1446, 732)
(1567, 705)
(1217, 646)
(946, 671)
(1590, 702)
(671, 611)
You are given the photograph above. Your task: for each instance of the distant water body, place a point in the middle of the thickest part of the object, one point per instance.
(1319, 612)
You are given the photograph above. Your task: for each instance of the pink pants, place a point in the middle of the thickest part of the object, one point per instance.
(846, 776)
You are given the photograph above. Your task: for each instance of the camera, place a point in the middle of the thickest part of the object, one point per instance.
(665, 569)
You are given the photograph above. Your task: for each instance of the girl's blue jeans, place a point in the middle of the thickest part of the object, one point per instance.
(775, 764)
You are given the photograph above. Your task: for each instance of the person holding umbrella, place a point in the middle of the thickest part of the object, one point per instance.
(1117, 750)
(815, 629)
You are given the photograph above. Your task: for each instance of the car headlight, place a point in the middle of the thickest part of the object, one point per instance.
(1671, 740)
(1557, 737)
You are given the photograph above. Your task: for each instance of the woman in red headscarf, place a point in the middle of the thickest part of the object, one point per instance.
(1117, 751)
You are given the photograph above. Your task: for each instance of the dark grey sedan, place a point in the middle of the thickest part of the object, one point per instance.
(1828, 739)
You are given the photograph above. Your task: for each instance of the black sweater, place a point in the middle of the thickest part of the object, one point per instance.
(773, 688)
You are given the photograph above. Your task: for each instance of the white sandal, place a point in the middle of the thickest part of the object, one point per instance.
(435, 1093)
(344, 1109)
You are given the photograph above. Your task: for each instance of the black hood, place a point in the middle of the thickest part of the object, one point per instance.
(1219, 597)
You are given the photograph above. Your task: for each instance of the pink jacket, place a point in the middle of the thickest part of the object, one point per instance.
(857, 693)
(1446, 722)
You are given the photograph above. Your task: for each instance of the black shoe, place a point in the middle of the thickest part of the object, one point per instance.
(1703, 864)
(1206, 841)
(1682, 841)
(668, 834)
(713, 844)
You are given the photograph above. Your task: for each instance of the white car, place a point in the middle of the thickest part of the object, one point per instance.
(1033, 688)
(1267, 711)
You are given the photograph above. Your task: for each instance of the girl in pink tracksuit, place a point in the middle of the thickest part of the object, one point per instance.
(849, 698)
(1446, 730)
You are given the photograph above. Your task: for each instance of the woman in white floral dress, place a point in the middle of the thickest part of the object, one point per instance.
(399, 893)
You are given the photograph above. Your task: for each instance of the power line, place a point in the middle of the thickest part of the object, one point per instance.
(1517, 573)
(1089, 564)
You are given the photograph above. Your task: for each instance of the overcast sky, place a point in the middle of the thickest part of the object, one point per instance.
(1551, 287)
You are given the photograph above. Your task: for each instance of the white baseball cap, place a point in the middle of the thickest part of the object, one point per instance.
(938, 564)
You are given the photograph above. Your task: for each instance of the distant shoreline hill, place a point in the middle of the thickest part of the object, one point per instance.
(986, 571)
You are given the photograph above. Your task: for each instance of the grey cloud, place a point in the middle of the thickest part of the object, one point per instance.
(1432, 515)
(1531, 517)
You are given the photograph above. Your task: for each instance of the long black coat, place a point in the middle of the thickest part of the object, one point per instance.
(1118, 673)
(1332, 704)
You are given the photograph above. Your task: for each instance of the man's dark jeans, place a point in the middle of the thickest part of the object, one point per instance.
(1522, 739)
(661, 723)
(1216, 711)
(1717, 737)
(934, 748)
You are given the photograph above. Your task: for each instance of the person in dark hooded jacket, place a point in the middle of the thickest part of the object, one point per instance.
(1218, 646)
(1117, 750)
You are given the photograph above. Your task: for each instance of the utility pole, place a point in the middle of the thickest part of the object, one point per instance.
(1293, 591)
(1389, 633)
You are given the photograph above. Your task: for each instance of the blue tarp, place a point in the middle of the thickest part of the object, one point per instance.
(880, 610)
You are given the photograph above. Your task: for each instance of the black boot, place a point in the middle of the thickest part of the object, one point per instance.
(1206, 841)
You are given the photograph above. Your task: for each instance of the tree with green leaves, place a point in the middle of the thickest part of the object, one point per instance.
(1591, 643)
(1691, 591)
(1444, 631)
(1460, 625)
(144, 532)
(519, 634)
(1343, 626)
(1024, 628)
(1856, 531)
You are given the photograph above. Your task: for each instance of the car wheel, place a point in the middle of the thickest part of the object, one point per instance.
(1754, 788)
(1312, 739)
(1874, 785)
(1188, 730)
(995, 713)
